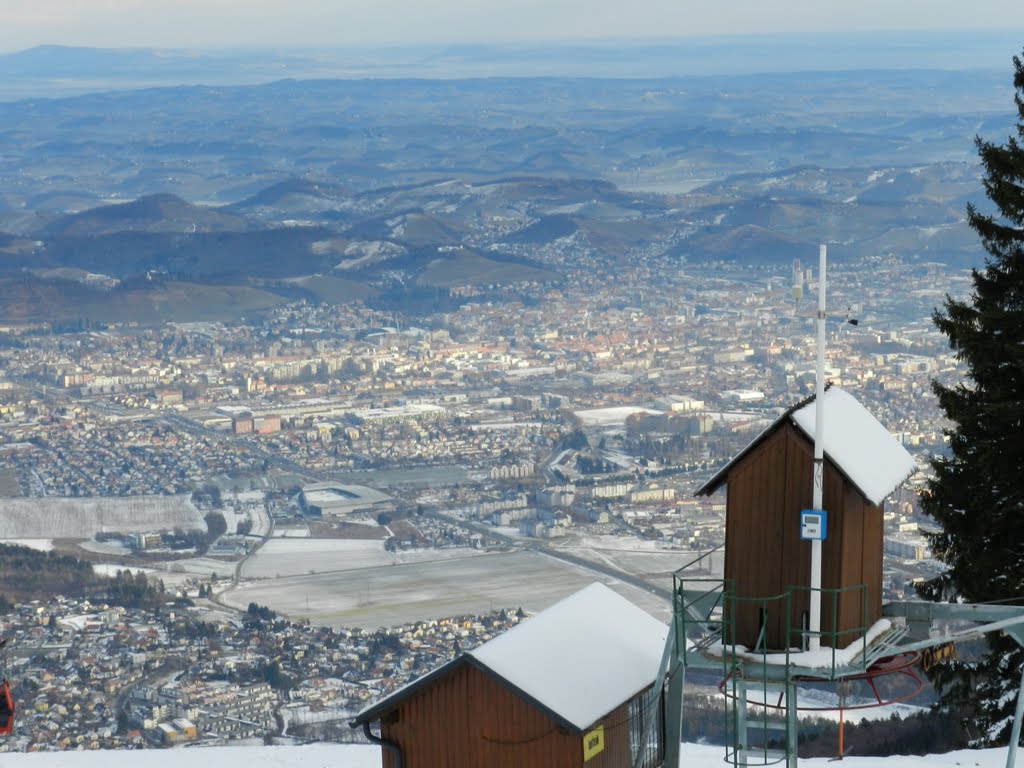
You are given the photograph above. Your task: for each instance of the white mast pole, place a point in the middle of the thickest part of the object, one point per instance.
(819, 457)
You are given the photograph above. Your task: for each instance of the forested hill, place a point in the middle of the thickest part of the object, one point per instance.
(28, 574)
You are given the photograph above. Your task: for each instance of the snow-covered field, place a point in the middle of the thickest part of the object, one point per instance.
(646, 559)
(814, 702)
(83, 518)
(171, 572)
(114, 548)
(356, 756)
(111, 569)
(174, 573)
(198, 566)
(609, 417)
(391, 595)
(295, 556)
(232, 519)
(309, 756)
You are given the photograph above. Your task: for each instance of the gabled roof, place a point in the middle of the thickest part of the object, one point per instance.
(583, 656)
(577, 660)
(855, 442)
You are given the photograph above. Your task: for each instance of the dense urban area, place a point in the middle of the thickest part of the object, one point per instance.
(568, 419)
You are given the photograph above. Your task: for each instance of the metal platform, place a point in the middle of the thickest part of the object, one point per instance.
(701, 638)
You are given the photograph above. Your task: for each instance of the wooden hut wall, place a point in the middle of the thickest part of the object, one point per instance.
(856, 558)
(765, 554)
(755, 535)
(469, 719)
(851, 553)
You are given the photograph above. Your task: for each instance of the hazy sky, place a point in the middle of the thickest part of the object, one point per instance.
(289, 23)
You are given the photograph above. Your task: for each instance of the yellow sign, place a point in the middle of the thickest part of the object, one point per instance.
(937, 655)
(593, 743)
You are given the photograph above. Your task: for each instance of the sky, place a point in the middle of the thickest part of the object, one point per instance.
(327, 23)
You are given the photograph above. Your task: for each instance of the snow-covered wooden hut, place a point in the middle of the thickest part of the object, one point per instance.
(769, 484)
(564, 688)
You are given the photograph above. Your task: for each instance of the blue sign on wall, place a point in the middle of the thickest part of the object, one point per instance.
(813, 524)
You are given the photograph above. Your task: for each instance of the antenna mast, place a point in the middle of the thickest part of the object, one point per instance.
(819, 458)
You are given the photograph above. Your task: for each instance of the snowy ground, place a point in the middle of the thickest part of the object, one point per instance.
(609, 417)
(111, 569)
(310, 756)
(261, 522)
(173, 573)
(354, 756)
(814, 703)
(295, 556)
(391, 595)
(83, 518)
(810, 699)
(196, 566)
(233, 518)
(645, 559)
(115, 547)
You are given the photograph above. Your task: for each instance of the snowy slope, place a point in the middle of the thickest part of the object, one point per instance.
(350, 756)
(311, 756)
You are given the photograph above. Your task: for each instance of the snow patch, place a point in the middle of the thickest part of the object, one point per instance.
(606, 417)
(363, 756)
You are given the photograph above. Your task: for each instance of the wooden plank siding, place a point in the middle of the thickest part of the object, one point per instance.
(764, 554)
(470, 718)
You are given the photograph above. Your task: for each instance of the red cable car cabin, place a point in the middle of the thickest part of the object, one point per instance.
(6, 709)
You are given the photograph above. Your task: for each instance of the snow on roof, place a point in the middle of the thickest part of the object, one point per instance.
(582, 657)
(341, 496)
(855, 442)
(858, 444)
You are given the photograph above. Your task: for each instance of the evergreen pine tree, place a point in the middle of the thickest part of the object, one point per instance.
(977, 494)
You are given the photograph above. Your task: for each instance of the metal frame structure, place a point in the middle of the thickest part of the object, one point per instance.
(701, 638)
